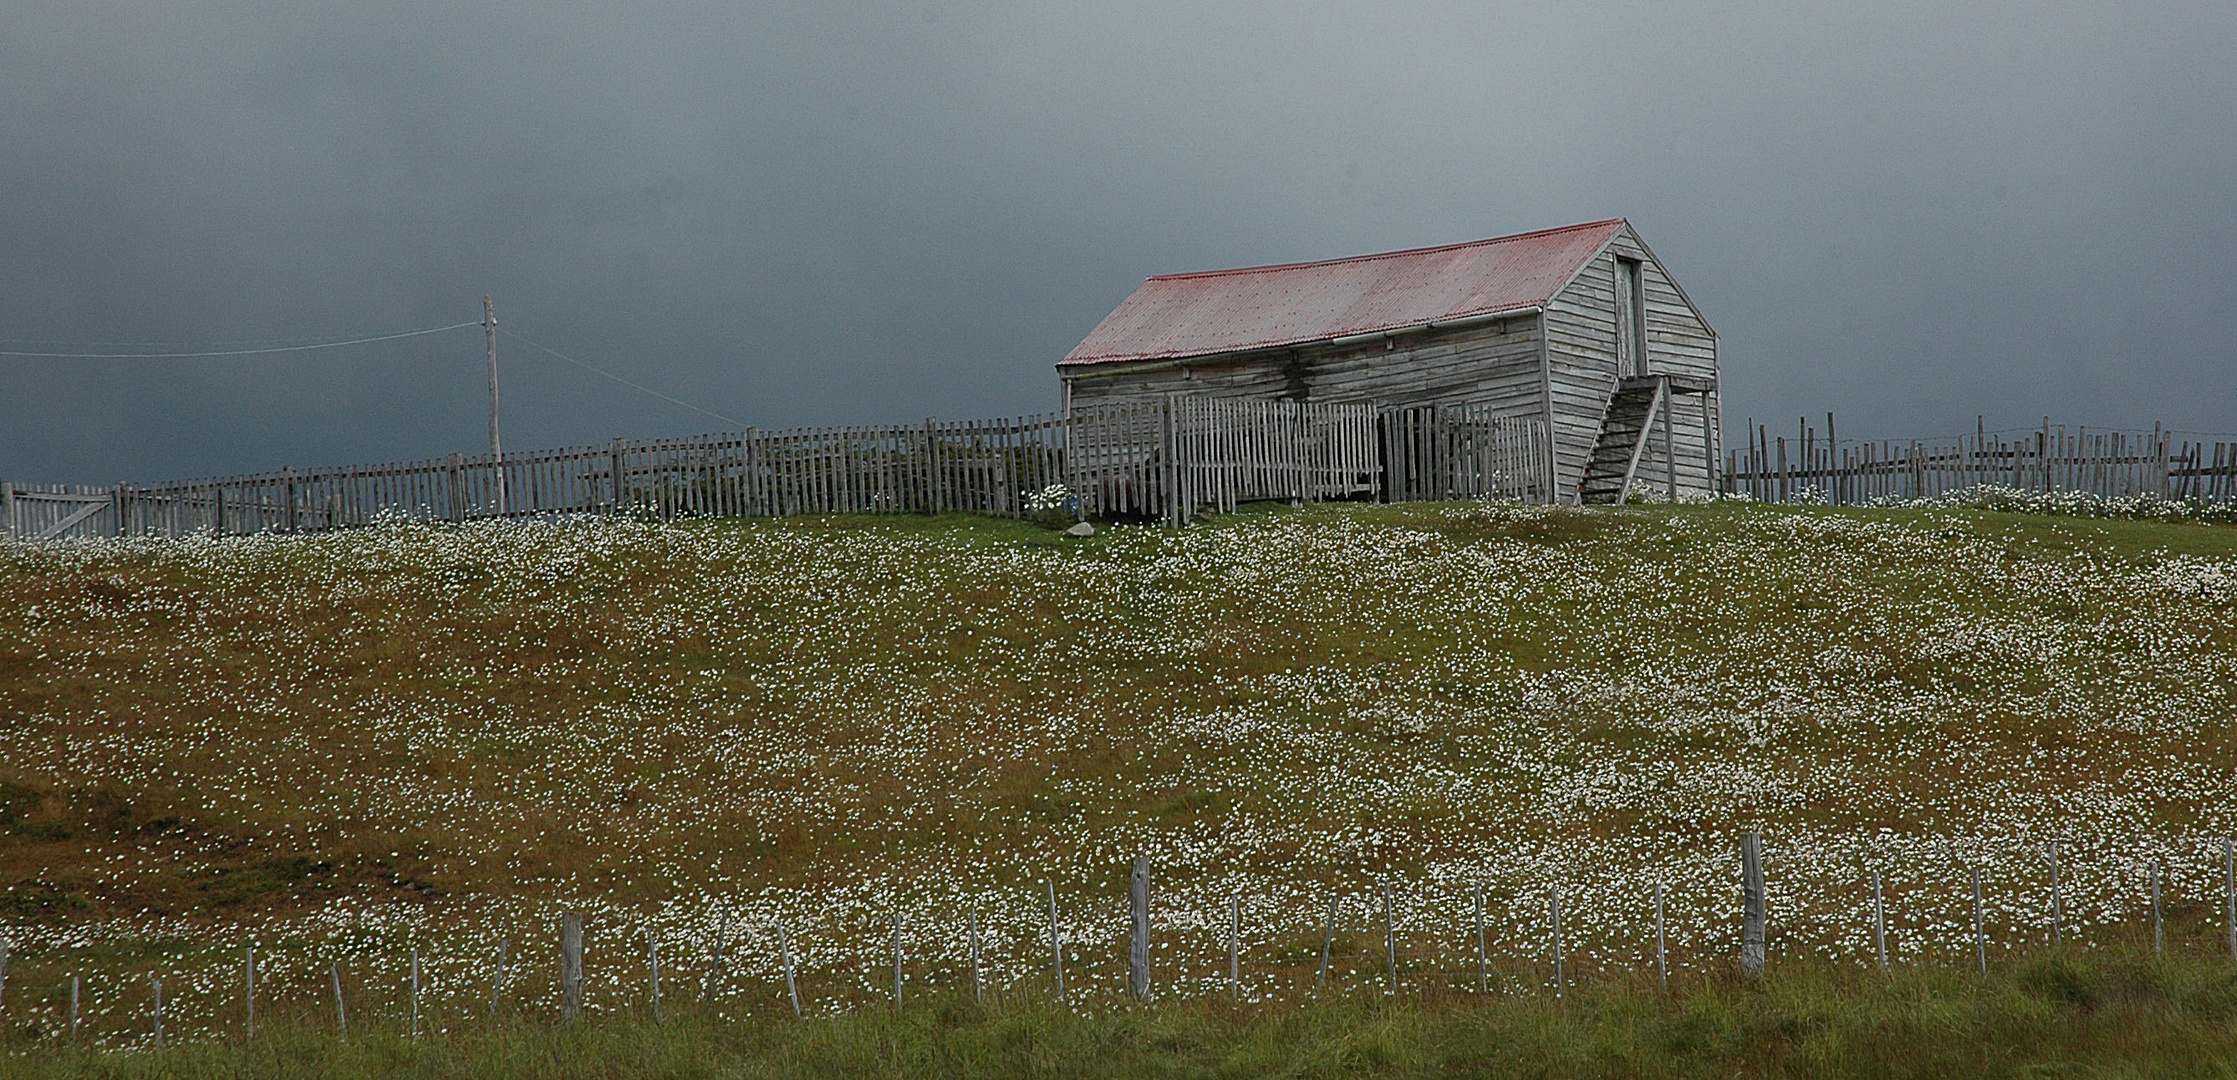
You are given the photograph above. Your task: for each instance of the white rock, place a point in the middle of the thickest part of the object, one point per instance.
(1081, 529)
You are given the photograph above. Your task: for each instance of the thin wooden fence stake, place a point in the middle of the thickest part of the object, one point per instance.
(1980, 935)
(3, 971)
(1138, 949)
(652, 965)
(158, 985)
(896, 961)
(341, 1013)
(2229, 892)
(415, 993)
(1390, 942)
(248, 989)
(1661, 943)
(1751, 904)
(1056, 945)
(1235, 948)
(2159, 941)
(978, 992)
(497, 988)
(570, 966)
(1483, 977)
(2058, 905)
(784, 953)
(73, 1010)
(715, 969)
(1879, 922)
(1328, 942)
(1560, 957)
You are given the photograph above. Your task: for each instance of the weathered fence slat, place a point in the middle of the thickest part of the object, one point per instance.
(2106, 464)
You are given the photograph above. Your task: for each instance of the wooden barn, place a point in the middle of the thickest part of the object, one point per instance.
(1580, 326)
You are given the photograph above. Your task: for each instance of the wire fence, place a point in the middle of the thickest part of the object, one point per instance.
(786, 954)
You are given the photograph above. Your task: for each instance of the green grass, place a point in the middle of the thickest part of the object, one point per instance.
(340, 748)
(2053, 1014)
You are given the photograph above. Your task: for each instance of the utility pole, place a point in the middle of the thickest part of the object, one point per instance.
(496, 449)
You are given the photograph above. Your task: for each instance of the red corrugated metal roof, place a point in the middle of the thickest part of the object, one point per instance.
(1222, 311)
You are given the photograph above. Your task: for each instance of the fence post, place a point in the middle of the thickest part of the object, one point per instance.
(977, 987)
(1980, 935)
(792, 985)
(2058, 908)
(341, 1013)
(1661, 949)
(1560, 956)
(74, 986)
(1234, 948)
(2159, 940)
(1390, 942)
(932, 499)
(7, 508)
(1328, 942)
(652, 963)
(454, 481)
(415, 993)
(1056, 943)
(158, 986)
(1483, 978)
(1879, 922)
(1751, 904)
(3, 971)
(1138, 955)
(497, 988)
(715, 969)
(2229, 892)
(570, 966)
(248, 988)
(620, 474)
(1168, 466)
(896, 961)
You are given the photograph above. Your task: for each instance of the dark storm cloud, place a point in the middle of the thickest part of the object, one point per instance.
(816, 213)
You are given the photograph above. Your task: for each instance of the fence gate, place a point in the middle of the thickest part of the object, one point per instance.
(56, 511)
(1464, 451)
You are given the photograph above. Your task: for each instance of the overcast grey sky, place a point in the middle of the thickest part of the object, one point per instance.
(810, 213)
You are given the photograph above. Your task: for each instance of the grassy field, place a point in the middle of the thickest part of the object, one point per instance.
(2054, 1014)
(340, 748)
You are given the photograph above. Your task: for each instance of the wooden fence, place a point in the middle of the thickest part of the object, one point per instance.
(1450, 451)
(1164, 460)
(2112, 464)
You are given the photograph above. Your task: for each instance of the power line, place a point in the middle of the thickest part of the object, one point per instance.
(236, 352)
(616, 378)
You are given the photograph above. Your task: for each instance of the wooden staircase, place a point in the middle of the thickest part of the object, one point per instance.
(1623, 439)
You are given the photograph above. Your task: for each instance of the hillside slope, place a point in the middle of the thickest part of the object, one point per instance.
(346, 745)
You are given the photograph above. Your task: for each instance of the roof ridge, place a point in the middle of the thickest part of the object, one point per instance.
(1185, 275)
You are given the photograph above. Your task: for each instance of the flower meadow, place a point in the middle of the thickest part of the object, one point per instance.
(341, 748)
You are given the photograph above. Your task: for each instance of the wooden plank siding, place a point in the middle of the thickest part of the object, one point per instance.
(1495, 363)
(1581, 348)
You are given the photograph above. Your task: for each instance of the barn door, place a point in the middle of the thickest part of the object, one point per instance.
(1631, 320)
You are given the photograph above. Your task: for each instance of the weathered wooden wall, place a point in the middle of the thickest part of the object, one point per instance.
(1493, 363)
(1582, 374)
